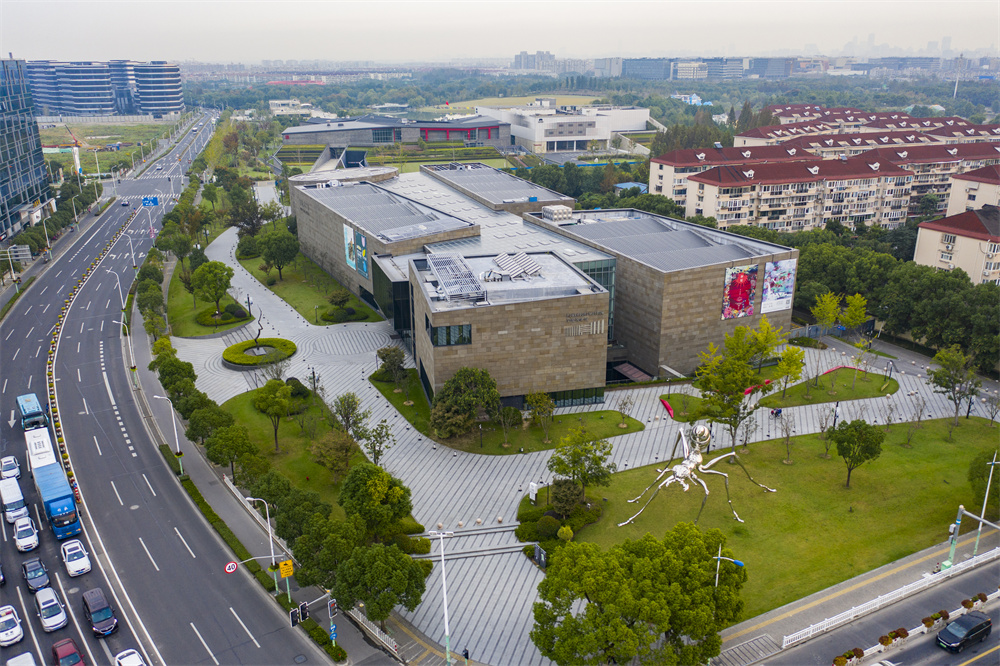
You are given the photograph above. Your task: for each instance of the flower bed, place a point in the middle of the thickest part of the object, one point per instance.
(237, 354)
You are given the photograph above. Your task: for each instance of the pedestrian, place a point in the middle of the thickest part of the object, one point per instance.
(465, 653)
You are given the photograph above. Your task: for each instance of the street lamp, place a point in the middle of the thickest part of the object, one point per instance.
(444, 592)
(73, 201)
(270, 540)
(718, 560)
(131, 354)
(986, 498)
(132, 250)
(177, 443)
(121, 295)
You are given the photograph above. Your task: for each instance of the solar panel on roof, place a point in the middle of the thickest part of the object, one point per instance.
(529, 265)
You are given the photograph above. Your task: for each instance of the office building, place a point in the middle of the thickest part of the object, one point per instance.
(158, 88)
(105, 88)
(542, 127)
(24, 188)
(647, 69)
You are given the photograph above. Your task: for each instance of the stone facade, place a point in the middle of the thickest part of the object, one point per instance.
(549, 345)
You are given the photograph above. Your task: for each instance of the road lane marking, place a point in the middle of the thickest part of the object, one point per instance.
(9, 334)
(24, 609)
(150, 557)
(43, 291)
(964, 663)
(107, 385)
(86, 409)
(115, 488)
(72, 616)
(81, 327)
(88, 305)
(108, 304)
(102, 321)
(98, 446)
(150, 486)
(78, 348)
(204, 644)
(29, 380)
(177, 532)
(57, 274)
(5, 390)
(16, 351)
(38, 351)
(30, 330)
(78, 378)
(244, 626)
(46, 307)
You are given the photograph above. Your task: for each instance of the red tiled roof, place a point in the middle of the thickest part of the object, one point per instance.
(873, 139)
(789, 130)
(776, 173)
(906, 122)
(983, 224)
(941, 152)
(745, 155)
(965, 130)
(987, 174)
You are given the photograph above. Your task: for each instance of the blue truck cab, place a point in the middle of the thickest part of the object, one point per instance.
(32, 414)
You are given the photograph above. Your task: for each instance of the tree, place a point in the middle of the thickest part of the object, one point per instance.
(855, 312)
(273, 400)
(979, 473)
(378, 440)
(279, 247)
(391, 361)
(205, 421)
(790, 366)
(787, 425)
(542, 408)
(229, 444)
(857, 443)
(333, 450)
(729, 383)
(378, 497)
(381, 577)
(928, 204)
(211, 194)
(765, 340)
(508, 417)
(212, 280)
(295, 510)
(583, 459)
(325, 544)
(651, 599)
(745, 120)
(624, 406)
(339, 298)
(955, 379)
(347, 408)
(826, 310)
(461, 398)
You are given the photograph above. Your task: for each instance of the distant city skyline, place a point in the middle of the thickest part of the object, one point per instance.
(402, 31)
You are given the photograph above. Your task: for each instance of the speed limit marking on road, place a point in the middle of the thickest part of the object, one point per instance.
(231, 567)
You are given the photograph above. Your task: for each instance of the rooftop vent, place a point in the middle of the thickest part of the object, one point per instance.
(718, 145)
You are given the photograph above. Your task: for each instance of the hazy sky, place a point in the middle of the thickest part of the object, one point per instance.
(428, 30)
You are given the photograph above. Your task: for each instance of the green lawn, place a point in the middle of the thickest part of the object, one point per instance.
(92, 135)
(294, 459)
(684, 405)
(813, 532)
(412, 167)
(305, 286)
(833, 386)
(602, 424)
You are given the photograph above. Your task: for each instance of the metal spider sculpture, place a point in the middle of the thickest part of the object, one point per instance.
(685, 471)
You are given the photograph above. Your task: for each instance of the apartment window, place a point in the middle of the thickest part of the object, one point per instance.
(972, 197)
(947, 238)
(946, 256)
(993, 248)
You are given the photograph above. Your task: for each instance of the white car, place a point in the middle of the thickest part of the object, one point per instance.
(10, 626)
(9, 468)
(75, 557)
(25, 534)
(50, 611)
(129, 658)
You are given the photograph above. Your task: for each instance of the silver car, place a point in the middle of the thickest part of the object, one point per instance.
(75, 557)
(25, 534)
(50, 611)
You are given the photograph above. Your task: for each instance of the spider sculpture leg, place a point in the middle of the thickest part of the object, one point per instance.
(704, 499)
(669, 480)
(739, 462)
(655, 481)
(728, 498)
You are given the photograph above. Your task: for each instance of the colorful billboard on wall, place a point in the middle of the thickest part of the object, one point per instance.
(349, 246)
(739, 291)
(361, 250)
(779, 285)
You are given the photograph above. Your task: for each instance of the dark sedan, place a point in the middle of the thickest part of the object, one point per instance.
(971, 628)
(35, 574)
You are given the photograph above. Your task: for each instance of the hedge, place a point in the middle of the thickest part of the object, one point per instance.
(206, 318)
(9, 304)
(236, 354)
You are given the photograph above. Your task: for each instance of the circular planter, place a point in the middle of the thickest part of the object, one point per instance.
(241, 357)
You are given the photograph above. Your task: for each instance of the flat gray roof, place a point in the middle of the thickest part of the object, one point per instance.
(494, 185)
(664, 243)
(385, 214)
(500, 231)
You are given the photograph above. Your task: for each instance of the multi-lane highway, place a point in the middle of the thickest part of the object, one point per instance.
(154, 555)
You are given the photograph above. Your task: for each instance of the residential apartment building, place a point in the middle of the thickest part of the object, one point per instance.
(772, 135)
(974, 189)
(796, 196)
(933, 167)
(834, 146)
(965, 133)
(25, 197)
(969, 240)
(668, 173)
(105, 88)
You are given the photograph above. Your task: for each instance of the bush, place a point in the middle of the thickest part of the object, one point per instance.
(409, 526)
(206, 317)
(529, 551)
(902, 633)
(884, 640)
(247, 248)
(839, 660)
(336, 652)
(548, 527)
(967, 604)
(530, 513)
(982, 597)
(583, 515)
(807, 342)
(928, 622)
(858, 653)
(298, 388)
(236, 354)
(271, 281)
(527, 531)
(944, 615)
(226, 317)
(565, 533)
(427, 565)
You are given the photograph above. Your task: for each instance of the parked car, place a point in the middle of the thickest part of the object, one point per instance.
(99, 613)
(129, 658)
(25, 534)
(36, 576)
(124, 203)
(75, 557)
(10, 626)
(973, 627)
(50, 610)
(66, 653)
(10, 468)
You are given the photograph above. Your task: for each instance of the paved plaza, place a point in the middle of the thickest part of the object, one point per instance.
(491, 585)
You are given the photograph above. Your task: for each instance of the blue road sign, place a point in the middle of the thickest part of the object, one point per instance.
(333, 632)
(150, 201)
